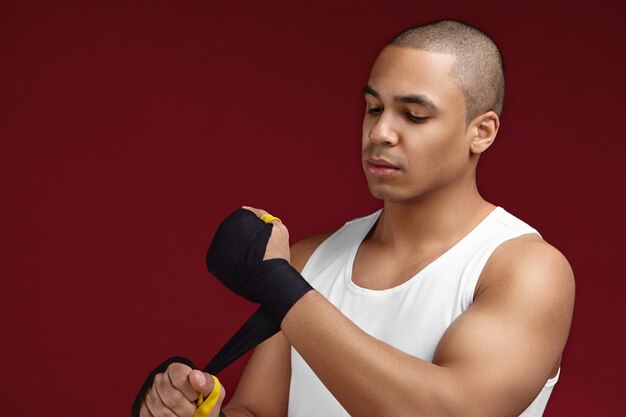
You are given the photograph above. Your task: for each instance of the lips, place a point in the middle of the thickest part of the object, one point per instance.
(381, 168)
(381, 163)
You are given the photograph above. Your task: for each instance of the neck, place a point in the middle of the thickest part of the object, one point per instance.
(435, 221)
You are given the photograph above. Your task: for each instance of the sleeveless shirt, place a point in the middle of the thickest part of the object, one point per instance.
(412, 316)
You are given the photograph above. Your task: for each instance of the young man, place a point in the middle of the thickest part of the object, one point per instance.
(439, 304)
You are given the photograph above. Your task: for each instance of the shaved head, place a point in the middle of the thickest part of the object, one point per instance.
(478, 69)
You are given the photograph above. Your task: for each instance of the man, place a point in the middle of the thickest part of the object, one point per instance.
(439, 304)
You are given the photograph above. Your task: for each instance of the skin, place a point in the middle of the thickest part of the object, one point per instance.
(495, 358)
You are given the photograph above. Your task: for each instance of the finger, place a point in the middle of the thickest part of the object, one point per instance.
(279, 234)
(174, 399)
(258, 212)
(156, 406)
(201, 382)
(178, 374)
(144, 412)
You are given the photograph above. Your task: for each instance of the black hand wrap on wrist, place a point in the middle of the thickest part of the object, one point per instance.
(235, 257)
(277, 286)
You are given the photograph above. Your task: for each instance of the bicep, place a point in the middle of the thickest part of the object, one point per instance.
(504, 347)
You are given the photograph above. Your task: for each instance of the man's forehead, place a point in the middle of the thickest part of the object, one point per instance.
(409, 63)
(400, 71)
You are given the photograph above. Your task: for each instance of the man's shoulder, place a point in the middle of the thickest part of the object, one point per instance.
(529, 251)
(530, 264)
(302, 250)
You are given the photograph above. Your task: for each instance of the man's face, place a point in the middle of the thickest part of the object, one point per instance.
(414, 120)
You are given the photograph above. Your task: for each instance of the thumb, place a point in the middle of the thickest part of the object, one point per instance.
(201, 382)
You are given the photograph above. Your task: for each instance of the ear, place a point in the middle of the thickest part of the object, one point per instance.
(483, 130)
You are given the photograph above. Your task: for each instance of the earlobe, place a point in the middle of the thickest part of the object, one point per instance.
(484, 130)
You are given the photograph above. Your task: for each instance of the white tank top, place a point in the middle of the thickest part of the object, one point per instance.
(412, 316)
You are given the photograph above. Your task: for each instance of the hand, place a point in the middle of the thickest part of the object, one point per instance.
(278, 245)
(242, 257)
(174, 393)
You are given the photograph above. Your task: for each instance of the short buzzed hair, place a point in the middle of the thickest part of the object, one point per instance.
(478, 69)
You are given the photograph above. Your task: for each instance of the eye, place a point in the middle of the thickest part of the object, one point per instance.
(374, 111)
(416, 119)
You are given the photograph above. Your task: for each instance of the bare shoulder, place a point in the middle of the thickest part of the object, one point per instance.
(511, 338)
(528, 266)
(302, 250)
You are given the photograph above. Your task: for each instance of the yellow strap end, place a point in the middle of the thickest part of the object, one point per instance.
(206, 406)
(268, 218)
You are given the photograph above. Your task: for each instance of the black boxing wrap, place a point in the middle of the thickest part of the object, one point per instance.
(134, 411)
(259, 327)
(235, 257)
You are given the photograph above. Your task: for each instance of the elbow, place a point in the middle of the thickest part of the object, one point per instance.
(449, 396)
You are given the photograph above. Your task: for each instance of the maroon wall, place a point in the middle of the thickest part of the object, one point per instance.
(128, 130)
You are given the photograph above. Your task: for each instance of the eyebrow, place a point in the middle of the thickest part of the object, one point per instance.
(420, 99)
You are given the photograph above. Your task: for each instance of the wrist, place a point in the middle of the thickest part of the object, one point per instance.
(293, 317)
(278, 286)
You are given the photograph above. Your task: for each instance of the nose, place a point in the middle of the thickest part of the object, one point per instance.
(383, 132)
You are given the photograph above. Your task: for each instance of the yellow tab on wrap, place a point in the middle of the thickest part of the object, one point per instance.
(268, 218)
(206, 406)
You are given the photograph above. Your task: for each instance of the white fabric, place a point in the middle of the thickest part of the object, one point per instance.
(412, 316)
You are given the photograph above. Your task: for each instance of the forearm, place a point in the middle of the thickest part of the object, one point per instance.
(236, 409)
(233, 411)
(367, 376)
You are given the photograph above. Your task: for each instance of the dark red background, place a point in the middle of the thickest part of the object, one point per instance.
(128, 130)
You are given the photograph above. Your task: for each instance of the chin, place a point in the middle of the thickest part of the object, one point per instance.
(395, 194)
(385, 192)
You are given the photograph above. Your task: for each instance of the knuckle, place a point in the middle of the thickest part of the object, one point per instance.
(279, 227)
(162, 385)
(179, 380)
(178, 367)
(151, 402)
(170, 400)
(155, 406)
(178, 374)
(170, 396)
